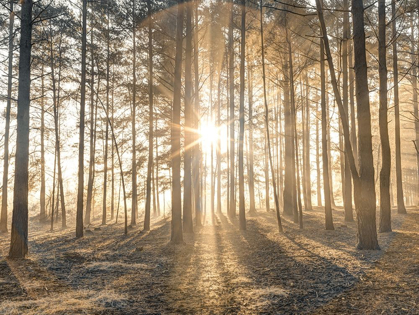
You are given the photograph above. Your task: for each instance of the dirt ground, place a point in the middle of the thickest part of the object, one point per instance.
(219, 269)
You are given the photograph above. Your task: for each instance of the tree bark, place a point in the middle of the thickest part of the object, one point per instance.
(385, 206)
(232, 206)
(399, 175)
(19, 234)
(176, 231)
(150, 119)
(242, 209)
(325, 156)
(187, 158)
(80, 188)
(3, 219)
(347, 193)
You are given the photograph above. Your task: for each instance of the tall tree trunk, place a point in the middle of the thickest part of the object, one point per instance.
(57, 136)
(293, 126)
(307, 163)
(251, 155)
(232, 206)
(112, 150)
(289, 136)
(19, 235)
(196, 161)
(92, 135)
(399, 176)
(42, 216)
(3, 219)
(385, 206)
(278, 215)
(187, 175)
(242, 205)
(347, 193)
(105, 158)
(80, 188)
(150, 119)
(319, 194)
(176, 233)
(325, 156)
(134, 207)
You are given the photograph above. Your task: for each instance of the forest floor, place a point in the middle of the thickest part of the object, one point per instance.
(219, 269)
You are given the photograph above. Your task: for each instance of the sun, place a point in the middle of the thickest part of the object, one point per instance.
(209, 135)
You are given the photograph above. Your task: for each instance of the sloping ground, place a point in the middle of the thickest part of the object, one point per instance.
(219, 270)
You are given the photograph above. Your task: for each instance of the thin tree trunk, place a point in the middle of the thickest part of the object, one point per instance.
(42, 215)
(150, 119)
(105, 158)
(196, 161)
(278, 215)
(242, 209)
(80, 188)
(385, 206)
(232, 206)
(399, 176)
(187, 158)
(319, 194)
(3, 219)
(176, 233)
(251, 155)
(347, 193)
(325, 156)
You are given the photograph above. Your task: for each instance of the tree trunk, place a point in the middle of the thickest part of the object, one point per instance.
(19, 235)
(150, 119)
(42, 215)
(3, 219)
(92, 135)
(307, 163)
(251, 155)
(364, 180)
(196, 161)
(134, 207)
(319, 194)
(187, 159)
(278, 215)
(176, 233)
(399, 176)
(80, 188)
(242, 209)
(325, 156)
(105, 158)
(232, 206)
(385, 206)
(347, 193)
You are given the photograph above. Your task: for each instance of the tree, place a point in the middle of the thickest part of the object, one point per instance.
(400, 198)
(19, 234)
(232, 205)
(278, 215)
(3, 219)
(325, 156)
(385, 206)
(242, 210)
(363, 179)
(80, 187)
(150, 117)
(347, 185)
(134, 209)
(187, 180)
(177, 234)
